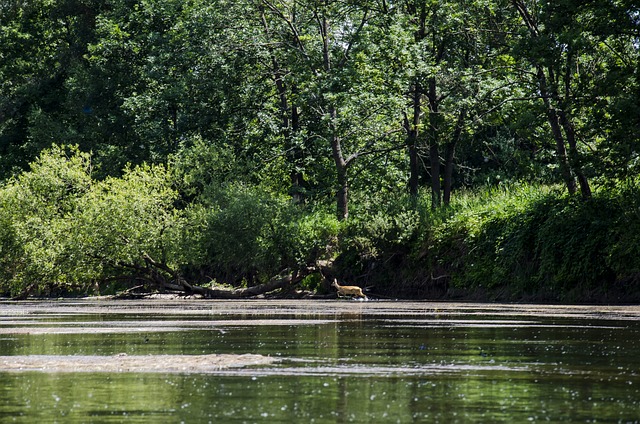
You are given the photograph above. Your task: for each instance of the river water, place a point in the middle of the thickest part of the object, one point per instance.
(273, 361)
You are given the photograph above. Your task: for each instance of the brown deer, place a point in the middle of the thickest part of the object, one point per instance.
(348, 290)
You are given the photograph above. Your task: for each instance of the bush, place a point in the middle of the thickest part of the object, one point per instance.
(63, 231)
(36, 211)
(246, 233)
(624, 245)
(124, 221)
(376, 241)
(477, 246)
(532, 242)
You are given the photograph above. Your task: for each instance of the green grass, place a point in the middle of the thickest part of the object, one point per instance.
(512, 242)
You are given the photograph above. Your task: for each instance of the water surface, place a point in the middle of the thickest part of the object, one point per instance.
(329, 361)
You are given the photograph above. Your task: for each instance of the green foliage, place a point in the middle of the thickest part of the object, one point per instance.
(124, 220)
(65, 231)
(254, 114)
(62, 231)
(37, 209)
(248, 234)
(472, 240)
(524, 241)
(624, 235)
(201, 167)
(383, 229)
(376, 243)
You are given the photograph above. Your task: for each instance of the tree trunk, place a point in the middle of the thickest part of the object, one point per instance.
(414, 169)
(296, 155)
(556, 116)
(447, 178)
(556, 130)
(569, 130)
(412, 127)
(290, 124)
(434, 155)
(412, 141)
(449, 154)
(342, 195)
(284, 280)
(434, 159)
(574, 155)
(561, 151)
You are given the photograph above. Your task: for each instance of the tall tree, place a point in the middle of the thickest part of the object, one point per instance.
(456, 80)
(609, 79)
(553, 48)
(43, 44)
(342, 86)
(286, 89)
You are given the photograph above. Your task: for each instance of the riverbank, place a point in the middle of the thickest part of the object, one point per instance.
(516, 243)
(520, 243)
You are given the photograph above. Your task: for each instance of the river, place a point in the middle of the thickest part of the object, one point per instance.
(290, 361)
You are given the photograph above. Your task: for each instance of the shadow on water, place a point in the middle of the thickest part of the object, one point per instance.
(324, 361)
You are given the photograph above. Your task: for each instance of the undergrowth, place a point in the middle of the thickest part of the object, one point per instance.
(516, 242)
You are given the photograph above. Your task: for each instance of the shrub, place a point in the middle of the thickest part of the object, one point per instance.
(247, 233)
(624, 245)
(62, 231)
(377, 239)
(123, 221)
(526, 242)
(36, 211)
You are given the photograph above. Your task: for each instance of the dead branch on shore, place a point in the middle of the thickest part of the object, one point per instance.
(164, 278)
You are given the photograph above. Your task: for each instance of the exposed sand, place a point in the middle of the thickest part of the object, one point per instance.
(255, 310)
(133, 363)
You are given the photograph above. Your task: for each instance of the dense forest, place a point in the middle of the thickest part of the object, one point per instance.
(475, 149)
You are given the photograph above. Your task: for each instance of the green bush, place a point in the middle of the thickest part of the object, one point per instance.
(36, 211)
(529, 241)
(124, 221)
(63, 231)
(477, 245)
(623, 254)
(375, 243)
(246, 233)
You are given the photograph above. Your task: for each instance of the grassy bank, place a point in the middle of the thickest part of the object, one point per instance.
(518, 243)
(62, 231)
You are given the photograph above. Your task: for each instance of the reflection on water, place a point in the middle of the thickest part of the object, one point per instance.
(385, 362)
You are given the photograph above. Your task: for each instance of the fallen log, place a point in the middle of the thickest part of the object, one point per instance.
(283, 280)
(165, 278)
(279, 282)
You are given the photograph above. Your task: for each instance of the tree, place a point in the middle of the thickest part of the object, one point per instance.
(37, 211)
(609, 86)
(552, 46)
(341, 89)
(457, 78)
(43, 45)
(163, 73)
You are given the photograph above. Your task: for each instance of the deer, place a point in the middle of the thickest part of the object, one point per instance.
(348, 290)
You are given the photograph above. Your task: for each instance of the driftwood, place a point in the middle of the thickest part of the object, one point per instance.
(284, 280)
(25, 293)
(151, 274)
(157, 273)
(287, 279)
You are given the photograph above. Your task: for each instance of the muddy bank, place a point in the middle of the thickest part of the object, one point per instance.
(134, 363)
(304, 310)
